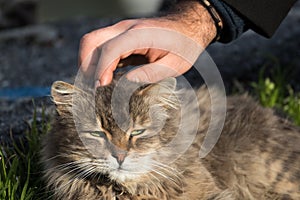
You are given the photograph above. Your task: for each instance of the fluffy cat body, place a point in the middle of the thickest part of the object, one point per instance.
(256, 157)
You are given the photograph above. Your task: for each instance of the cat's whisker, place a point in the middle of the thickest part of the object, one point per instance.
(158, 172)
(53, 158)
(86, 172)
(59, 167)
(168, 169)
(151, 179)
(83, 174)
(159, 180)
(73, 169)
(156, 163)
(166, 172)
(75, 178)
(68, 165)
(153, 175)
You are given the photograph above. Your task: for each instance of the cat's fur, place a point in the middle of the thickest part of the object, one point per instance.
(256, 157)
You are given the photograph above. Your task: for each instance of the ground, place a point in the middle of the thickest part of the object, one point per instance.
(43, 53)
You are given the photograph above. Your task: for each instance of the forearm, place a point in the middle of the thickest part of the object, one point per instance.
(203, 24)
(262, 16)
(194, 20)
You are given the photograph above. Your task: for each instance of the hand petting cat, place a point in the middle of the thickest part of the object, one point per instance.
(103, 50)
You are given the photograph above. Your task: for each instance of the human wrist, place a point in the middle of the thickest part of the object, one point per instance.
(234, 24)
(194, 20)
(215, 16)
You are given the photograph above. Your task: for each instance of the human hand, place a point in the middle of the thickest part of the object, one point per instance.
(170, 44)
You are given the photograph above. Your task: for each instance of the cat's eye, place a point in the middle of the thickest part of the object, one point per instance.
(97, 134)
(137, 132)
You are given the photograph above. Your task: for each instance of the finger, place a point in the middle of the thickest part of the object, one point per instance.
(107, 76)
(104, 72)
(135, 40)
(94, 39)
(168, 66)
(135, 58)
(119, 48)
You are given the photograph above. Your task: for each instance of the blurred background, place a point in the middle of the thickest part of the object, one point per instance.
(97, 8)
(32, 33)
(23, 12)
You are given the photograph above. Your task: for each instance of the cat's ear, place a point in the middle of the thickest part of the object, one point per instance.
(61, 93)
(164, 87)
(163, 91)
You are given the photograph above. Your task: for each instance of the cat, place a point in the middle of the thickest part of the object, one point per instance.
(93, 156)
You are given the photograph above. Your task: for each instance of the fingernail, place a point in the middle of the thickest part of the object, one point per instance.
(97, 83)
(104, 82)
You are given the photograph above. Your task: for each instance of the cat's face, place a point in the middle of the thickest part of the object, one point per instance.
(123, 139)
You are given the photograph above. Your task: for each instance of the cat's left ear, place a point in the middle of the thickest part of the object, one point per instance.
(163, 91)
(61, 93)
(164, 87)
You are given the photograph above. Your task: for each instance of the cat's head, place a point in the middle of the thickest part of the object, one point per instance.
(123, 128)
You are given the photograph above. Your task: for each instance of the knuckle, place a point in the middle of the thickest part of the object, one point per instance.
(106, 47)
(139, 25)
(145, 23)
(86, 38)
(130, 23)
(125, 22)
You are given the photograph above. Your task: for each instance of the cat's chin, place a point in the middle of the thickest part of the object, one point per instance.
(123, 175)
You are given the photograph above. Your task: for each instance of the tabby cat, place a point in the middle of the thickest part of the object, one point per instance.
(95, 158)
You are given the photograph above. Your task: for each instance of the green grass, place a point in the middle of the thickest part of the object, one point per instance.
(20, 170)
(274, 91)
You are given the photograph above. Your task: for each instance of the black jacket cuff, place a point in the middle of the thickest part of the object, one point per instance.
(233, 24)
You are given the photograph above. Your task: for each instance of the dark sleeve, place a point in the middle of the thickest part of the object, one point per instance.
(263, 16)
(234, 24)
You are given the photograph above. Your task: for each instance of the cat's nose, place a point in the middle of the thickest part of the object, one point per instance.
(120, 156)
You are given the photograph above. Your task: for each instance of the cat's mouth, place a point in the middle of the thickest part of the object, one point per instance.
(122, 174)
(122, 169)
